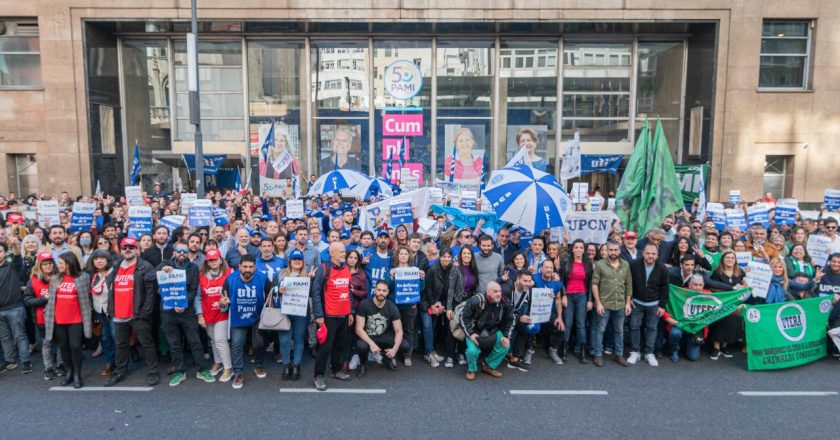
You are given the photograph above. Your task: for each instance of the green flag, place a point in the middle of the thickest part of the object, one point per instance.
(787, 334)
(649, 189)
(690, 180)
(694, 310)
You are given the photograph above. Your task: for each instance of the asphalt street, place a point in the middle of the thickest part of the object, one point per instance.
(686, 400)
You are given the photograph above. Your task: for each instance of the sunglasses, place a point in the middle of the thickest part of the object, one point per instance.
(182, 251)
(130, 248)
(831, 228)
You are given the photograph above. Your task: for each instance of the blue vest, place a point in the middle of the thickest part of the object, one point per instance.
(246, 299)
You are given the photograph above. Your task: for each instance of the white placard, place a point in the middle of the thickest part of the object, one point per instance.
(541, 300)
(580, 192)
(295, 300)
(429, 227)
(187, 200)
(47, 212)
(556, 234)
(134, 196)
(435, 196)
(818, 247)
(294, 209)
(743, 258)
(591, 227)
(758, 277)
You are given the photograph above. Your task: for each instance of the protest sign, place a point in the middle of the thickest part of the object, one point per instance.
(435, 196)
(541, 301)
(468, 200)
(295, 300)
(758, 213)
(591, 227)
(294, 209)
(187, 200)
(788, 334)
(407, 285)
(140, 218)
(832, 199)
(220, 216)
(82, 217)
(717, 214)
(401, 213)
(134, 196)
(595, 204)
(201, 214)
(428, 226)
(734, 197)
(735, 218)
(580, 192)
(786, 211)
(743, 258)
(370, 213)
(694, 310)
(818, 248)
(173, 222)
(47, 212)
(173, 289)
(758, 277)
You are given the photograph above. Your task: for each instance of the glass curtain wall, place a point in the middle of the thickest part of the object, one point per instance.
(659, 89)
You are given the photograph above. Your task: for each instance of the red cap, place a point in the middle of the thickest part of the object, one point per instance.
(14, 217)
(213, 254)
(44, 256)
(128, 241)
(630, 234)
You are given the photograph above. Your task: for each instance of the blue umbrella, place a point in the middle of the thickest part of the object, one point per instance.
(336, 180)
(527, 197)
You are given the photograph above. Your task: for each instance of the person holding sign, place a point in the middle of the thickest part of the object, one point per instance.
(179, 311)
(828, 284)
(214, 319)
(132, 295)
(555, 328)
(379, 329)
(406, 286)
(67, 316)
(762, 250)
(520, 298)
(488, 322)
(676, 334)
(287, 286)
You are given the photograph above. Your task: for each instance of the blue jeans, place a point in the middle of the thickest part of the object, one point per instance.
(297, 332)
(575, 315)
(107, 338)
(618, 330)
(429, 323)
(637, 316)
(13, 333)
(238, 339)
(692, 350)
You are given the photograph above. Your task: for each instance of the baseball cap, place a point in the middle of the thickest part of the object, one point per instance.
(344, 235)
(296, 255)
(382, 233)
(265, 218)
(630, 234)
(255, 232)
(45, 256)
(355, 228)
(213, 254)
(14, 217)
(128, 241)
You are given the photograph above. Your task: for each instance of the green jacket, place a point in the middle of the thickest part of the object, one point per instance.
(615, 286)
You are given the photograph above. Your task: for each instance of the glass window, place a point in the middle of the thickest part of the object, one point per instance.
(341, 110)
(465, 72)
(402, 115)
(274, 84)
(785, 54)
(20, 55)
(147, 86)
(220, 85)
(596, 91)
(530, 102)
(775, 169)
(660, 78)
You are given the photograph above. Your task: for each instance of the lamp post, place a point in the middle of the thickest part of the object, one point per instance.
(195, 102)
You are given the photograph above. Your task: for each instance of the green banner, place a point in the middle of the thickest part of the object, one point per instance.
(690, 180)
(787, 334)
(694, 310)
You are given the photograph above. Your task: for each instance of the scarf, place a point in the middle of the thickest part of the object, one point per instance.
(776, 291)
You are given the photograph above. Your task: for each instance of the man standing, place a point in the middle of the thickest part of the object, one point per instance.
(58, 245)
(650, 296)
(12, 317)
(132, 293)
(612, 291)
(196, 255)
(629, 252)
(310, 254)
(241, 248)
(378, 262)
(490, 264)
(269, 264)
(487, 320)
(503, 246)
(379, 329)
(830, 231)
(332, 309)
(182, 323)
(160, 249)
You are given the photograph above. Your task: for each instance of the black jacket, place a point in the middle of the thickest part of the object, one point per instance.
(155, 256)
(421, 261)
(506, 251)
(675, 278)
(625, 254)
(653, 288)
(491, 317)
(192, 280)
(437, 286)
(566, 272)
(11, 294)
(145, 289)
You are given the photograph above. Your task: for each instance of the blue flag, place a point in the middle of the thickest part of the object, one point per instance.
(483, 172)
(135, 166)
(237, 183)
(267, 143)
(452, 165)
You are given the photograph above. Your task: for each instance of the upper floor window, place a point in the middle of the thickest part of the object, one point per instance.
(785, 54)
(20, 54)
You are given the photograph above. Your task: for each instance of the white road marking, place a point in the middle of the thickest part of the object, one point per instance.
(559, 392)
(787, 393)
(335, 390)
(129, 389)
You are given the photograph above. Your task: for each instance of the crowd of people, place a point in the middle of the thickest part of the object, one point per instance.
(95, 293)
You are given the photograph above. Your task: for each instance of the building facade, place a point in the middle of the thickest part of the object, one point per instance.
(750, 87)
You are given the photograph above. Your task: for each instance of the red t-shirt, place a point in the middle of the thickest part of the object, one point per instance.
(67, 308)
(39, 288)
(577, 279)
(337, 292)
(211, 293)
(124, 292)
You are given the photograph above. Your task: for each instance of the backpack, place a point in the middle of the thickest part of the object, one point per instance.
(458, 314)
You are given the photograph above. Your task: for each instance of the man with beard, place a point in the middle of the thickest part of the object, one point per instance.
(58, 245)
(379, 329)
(378, 263)
(160, 249)
(612, 292)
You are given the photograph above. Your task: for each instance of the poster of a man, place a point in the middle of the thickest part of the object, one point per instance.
(340, 147)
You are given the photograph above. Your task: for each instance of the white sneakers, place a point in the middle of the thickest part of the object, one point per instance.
(634, 358)
(651, 360)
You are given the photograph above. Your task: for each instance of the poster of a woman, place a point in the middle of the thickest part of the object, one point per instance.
(533, 138)
(468, 144)
(280, 160)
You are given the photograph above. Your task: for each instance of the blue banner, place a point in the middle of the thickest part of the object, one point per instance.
(401, 213)
(759, 213)
(220, 217)
(735, 218)
(600, 163)
(201, 216)
(786, 211)
(82, 217)
(469, 219)
(212, 162)
(407, 285)
(832, 199)
(715, 212)
(173, 289)
(140, 218)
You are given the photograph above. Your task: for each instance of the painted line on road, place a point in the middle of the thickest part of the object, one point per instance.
(129, 389)
(787, 393)
(559, 392)
(335, 390)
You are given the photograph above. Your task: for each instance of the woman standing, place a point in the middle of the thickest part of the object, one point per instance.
(408, 308)
(36, 297)
(463, 281)
(100, 267)
(68, 314)
(86, 246)
(576, 275)
(291, 367)
(214, 318)
(727, 330)
(432, 303)
(778, 290)
(798, 261)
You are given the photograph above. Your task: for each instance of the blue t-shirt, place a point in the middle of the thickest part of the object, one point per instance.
(378, 268)
(246, 299)
(270, 268)
(555, 286)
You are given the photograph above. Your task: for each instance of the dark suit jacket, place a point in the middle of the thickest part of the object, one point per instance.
(655, 287)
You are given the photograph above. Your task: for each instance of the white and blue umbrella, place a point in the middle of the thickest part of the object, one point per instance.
(336, 180)
(527, 197)
(375, 187)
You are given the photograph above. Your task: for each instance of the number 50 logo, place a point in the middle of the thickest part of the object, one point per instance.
(403, 80)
